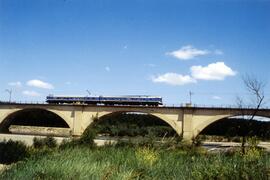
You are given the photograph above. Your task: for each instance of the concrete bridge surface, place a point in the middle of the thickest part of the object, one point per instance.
(186, 121)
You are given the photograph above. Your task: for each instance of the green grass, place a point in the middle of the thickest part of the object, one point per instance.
(139, 163)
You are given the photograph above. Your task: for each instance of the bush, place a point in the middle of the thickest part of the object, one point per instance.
(88, 137)
(48, 142)
(38, 143)
(197, 141)
(12, 151)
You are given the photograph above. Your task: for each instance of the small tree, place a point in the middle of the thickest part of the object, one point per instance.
(256, 88)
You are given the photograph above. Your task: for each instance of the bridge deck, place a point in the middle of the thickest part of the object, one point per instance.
(135, 106)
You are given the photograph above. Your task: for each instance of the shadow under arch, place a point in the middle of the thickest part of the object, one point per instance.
(237, 125)
(133, 120)
(32, 117)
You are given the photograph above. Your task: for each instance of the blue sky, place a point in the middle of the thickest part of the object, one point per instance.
(119, 47)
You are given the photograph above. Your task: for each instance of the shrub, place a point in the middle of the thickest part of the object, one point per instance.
(38, 143)
(197, 141)
(48, 142)
(88, 137)
(12, 151)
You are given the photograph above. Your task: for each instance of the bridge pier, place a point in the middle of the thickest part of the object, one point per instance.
(187, 125)
(77, 121)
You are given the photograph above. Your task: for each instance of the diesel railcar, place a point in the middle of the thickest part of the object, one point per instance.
(106, 100)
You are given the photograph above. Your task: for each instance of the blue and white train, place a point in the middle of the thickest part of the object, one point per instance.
(106, 100)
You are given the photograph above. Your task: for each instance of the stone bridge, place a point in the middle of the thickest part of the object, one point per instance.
(186, 121)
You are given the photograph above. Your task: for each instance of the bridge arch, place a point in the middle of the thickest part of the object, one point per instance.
(12, 116)
(200, 127)
(172, 123)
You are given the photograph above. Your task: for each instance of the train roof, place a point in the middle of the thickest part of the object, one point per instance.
(123, 96)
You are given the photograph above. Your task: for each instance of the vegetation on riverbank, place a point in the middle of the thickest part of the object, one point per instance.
(140, 162)
(81, 159)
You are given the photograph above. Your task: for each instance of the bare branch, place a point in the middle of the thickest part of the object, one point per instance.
(256, 88)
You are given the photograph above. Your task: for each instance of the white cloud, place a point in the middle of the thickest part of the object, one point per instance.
(218, 52)
(214, 71)
(31, 93)
(107, 68)
(187, 53)
(39, 84)
(68, 83)
(16, 84)
(173, 79)
(216, 97)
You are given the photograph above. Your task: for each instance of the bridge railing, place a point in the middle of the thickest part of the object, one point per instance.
(183, 105)
(227, 106)
(23, 102)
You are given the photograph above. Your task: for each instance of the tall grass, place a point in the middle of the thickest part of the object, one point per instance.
(110, 162)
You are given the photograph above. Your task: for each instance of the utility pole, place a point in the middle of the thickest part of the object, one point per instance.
(190, 97)
(9, 91)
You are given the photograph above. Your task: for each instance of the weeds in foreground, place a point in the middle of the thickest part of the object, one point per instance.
(146, 156)
(112, 162)
(77, 159)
